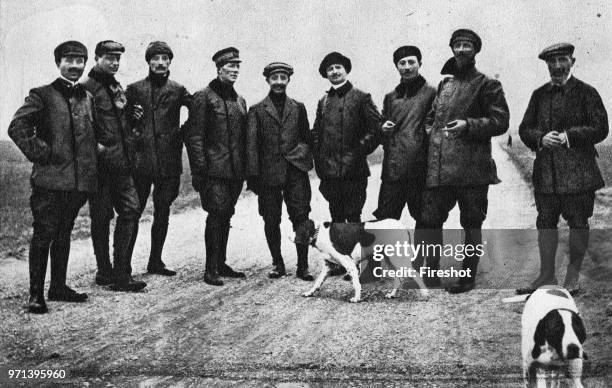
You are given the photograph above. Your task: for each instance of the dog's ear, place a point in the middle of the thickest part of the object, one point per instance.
(578, 327)
(539, 338)
(366, 238)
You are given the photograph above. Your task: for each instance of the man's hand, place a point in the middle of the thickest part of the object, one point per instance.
(101, 148)
(553, 140)
(388, 126)
(457, 126)
(138, 112)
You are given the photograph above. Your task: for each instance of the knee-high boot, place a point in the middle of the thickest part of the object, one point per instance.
(212, 240)
(579, 240)
(273, 238)
(37, 258)
(302, 262)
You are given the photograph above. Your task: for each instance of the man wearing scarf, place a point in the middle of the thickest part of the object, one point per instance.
(564, 120)
(154, 107)
(469, 109)
(55, 130)
(278, 161)
(215, 137)
(116, 189)
(404, 139)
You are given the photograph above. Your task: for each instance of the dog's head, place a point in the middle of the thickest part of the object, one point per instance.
(559, 337)
(305, 233)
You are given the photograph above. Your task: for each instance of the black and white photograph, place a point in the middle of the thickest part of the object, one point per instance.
(305, 193)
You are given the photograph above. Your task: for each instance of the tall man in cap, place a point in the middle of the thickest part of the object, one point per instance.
(116, 187)
(54, 129)
(564, 120)
(155, 106)
(404, 139)
(215, 137)
(345, 131)
(278, 161)
(469, 109)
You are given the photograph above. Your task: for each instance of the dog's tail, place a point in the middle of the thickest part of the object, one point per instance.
(516, 298)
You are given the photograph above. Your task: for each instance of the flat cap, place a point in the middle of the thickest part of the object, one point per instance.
(158, 47)
(70, 48)
(465, 34)
(334, 58)
(109, 47)
(406, 51)
(229, 54)
(557, 49)
(277, 67)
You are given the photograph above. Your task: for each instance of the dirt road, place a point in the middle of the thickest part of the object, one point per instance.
(254, 332)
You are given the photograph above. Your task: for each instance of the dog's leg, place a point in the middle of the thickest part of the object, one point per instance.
(541, 377)
(319, 281)
(419, 281)
(575, 372)
(397, 283)
(555, 378)
(351, 269)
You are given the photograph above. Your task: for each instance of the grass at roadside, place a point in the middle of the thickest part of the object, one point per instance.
(16, 217)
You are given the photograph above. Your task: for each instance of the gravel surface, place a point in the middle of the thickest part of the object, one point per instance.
(261, 332)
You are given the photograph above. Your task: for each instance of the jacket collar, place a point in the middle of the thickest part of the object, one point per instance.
(271, 109)
(410, 87)
(570, 84)
(450, 67)
(67, 90)
(103, 78)
(158, 80)
(225, 91)
(341, 91)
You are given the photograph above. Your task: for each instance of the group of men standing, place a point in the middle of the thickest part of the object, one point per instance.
(91, 140)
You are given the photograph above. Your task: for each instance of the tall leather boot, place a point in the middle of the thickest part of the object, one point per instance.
(159, 230)
(212, 240)
(37, 258)
(302, 262)
(123, 246)
(222, 268)
(58, 290)
(100, 233)
(579, 241)
(273, 237)
(473, 237)
(548, 239)
(431, 236)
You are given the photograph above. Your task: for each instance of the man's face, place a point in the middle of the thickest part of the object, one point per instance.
(278, 82)
(229, 72)
(108, 63)
(464, 52)
(336, 73)
(408, 67)
(559, 67)
(71, 67)
(159, 63)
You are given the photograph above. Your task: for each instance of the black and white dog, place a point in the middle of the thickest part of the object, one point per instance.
(344, 245)
(552, 337)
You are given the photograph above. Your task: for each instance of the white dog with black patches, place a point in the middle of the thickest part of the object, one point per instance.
(343, 244)
(552, 338)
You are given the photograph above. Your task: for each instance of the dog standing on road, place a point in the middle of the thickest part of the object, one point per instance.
(344, 244)
(552, 338)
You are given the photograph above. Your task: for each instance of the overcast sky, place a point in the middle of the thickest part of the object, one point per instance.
(301, 33)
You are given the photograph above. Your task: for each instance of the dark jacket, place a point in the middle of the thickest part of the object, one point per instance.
(273, 141)
(158, 145)
(464, 159)
(113, 130)
(346, 130)
(215, 133)
(406, 147)
(54, 129)
(577, 110)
